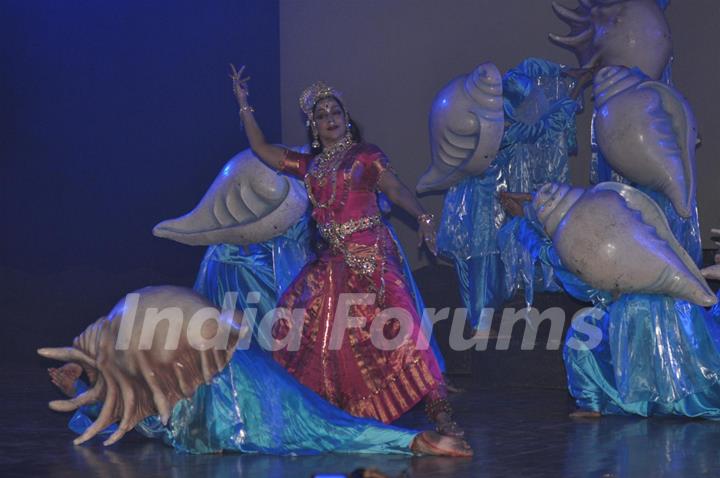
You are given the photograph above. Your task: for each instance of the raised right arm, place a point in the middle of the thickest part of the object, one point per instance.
(270, 154)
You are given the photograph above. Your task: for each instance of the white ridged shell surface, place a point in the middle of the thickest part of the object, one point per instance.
(632, 33)
(647, 133)
(466, 127)
(247, 203)
(615, 238)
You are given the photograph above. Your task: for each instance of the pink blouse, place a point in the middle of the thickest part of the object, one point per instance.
(347, 193)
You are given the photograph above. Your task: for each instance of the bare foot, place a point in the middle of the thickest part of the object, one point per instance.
(431, 443)
(65, 376)
(445, 425)
(585, 414)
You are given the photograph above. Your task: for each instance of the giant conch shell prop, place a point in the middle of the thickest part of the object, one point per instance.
(615, 238)
(155, 348)
(247, 203)
(139, 369)
(713, 272)
(632, 33)
(466, 127)
(646, 132)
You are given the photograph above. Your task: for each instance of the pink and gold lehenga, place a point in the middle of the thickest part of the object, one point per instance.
(361, 257)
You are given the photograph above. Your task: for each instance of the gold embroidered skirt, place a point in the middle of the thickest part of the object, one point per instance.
(339, 358)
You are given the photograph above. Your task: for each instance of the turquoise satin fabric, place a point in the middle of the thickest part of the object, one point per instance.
(468, 235)
(266, 268)
(540, 125)
(660, 356)
(255, 406)
(522, 265)
(539, 137)
(85, 415)
(657, 356)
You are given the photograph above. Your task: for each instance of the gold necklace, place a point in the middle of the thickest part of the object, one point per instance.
(328, 160)
(328, 164)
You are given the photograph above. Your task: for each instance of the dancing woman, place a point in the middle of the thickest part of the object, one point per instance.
(342, 177)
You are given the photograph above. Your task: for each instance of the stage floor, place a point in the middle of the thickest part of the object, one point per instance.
(520, 432)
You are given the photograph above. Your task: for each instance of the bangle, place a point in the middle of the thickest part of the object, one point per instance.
(426, 218)
(246, 108)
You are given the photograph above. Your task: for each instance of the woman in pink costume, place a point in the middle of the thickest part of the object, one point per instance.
(378, 371)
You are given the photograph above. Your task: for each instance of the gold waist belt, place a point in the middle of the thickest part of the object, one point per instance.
(334, 233)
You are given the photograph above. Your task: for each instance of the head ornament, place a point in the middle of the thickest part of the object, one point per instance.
(316, 92)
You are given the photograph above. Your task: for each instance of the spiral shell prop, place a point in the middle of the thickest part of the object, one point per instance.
(466, 127)
(140, 366)
(713, 272)
(632, 33)
(647, 132)
(615, 238)
(247, 203)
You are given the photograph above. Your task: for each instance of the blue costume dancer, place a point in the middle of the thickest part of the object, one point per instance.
(538, 138)
(656, 355)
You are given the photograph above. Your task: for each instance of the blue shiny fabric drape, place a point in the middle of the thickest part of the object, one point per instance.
(254, 406)
(540, 125)
(657, 355)
(522, 265)
(265, 269)
(660, 356)
(468, 235)
(538, 139)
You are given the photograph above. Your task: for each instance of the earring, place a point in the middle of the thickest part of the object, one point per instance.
(316, 142)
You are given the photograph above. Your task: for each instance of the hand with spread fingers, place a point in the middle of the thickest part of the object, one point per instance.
(240, 85)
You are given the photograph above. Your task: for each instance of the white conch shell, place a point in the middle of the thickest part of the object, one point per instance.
(247, 203)
(615, 238)
(466, 127)
(646, 132)
(138, 369)
(632, 33)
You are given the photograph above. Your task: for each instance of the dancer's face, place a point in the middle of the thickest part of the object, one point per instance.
(329, 121)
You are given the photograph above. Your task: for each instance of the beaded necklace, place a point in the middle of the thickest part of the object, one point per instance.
(330, 156)
(328, 162)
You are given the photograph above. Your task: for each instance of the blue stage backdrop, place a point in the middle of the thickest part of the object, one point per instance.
(114, 115)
